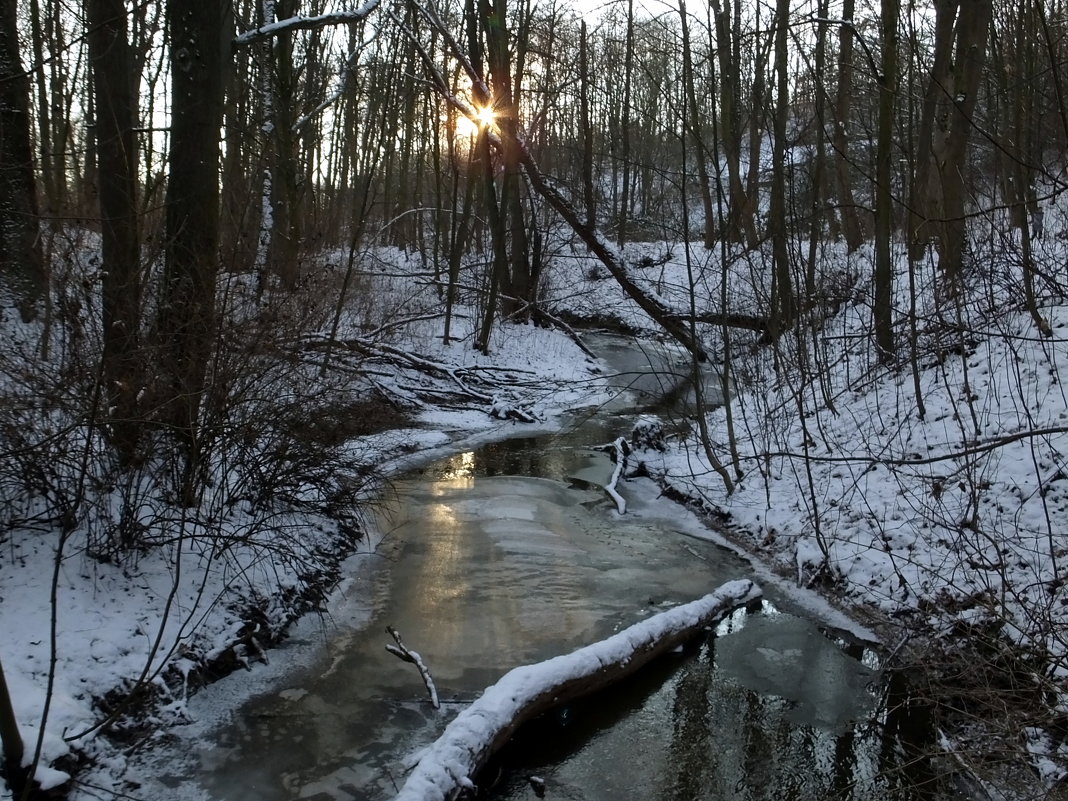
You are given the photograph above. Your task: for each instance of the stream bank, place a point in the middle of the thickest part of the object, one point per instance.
(506, 554)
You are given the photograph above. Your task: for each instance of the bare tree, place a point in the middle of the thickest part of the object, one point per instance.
(693, 120)
(587, 129)
(623, 212)
(783, 308)
(741, 225)
(21, 262)
(113, 73)
(938, 195)
(199, 38)
(852, 227)
(884, 211)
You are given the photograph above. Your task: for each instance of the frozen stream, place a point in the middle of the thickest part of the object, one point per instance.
(507, 555)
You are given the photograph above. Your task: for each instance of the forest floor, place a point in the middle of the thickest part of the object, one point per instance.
(945, 523)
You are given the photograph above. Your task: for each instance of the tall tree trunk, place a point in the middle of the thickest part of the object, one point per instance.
(240, 251)
(694, 124)
(494, 216)
(740, 224)
(782, 295)
(972, 28)
(1021, 120)
(267, 159)
(852, 228)
(623, 218)
(285, 172)
(515, 281)
(116, 108)
(937, 196)
(60, 95)
(21, 261)
(587, 129)
(186, 327)
(11, 745)
(757, 102)
(819, 165)
(884, 211)
(45, 146)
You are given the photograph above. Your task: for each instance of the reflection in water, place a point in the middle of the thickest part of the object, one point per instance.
(462, 465)
(706, 734)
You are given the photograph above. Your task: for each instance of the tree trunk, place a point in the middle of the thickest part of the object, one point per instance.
(110, 52)
(819, 165)
(515, 279)
(285, 174)
(782, 311)
(587, 129)
(852, 228)
(21, 261)
(972, 27)
(11, 743)
(695, 131)
(1021, 120)
(623, 218)
(945, 126)
(757, 101)
(740, 224)
(884, 211)
(186, 324)
(45, 146)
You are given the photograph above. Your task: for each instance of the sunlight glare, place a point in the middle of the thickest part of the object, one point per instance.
(484, 116)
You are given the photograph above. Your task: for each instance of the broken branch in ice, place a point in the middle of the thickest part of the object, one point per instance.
(401, 651)
(619, 450)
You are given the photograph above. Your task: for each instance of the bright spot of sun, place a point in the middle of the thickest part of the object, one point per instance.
(484, 116)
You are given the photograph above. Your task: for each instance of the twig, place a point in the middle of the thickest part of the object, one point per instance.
(401, 651)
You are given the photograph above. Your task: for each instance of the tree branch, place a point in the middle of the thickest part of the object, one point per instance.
(302, 23)
(976, 449)
(401, 651)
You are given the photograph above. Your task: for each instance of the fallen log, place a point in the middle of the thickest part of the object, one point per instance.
(446, 767)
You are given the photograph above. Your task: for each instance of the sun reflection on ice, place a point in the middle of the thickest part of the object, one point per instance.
(462, 465)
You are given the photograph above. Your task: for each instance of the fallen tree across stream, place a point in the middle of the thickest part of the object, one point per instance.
(446, 767)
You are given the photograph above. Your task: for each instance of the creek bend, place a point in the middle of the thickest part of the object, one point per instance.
(511, 554)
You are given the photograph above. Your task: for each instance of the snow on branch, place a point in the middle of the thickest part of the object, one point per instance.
(301, 22)
(499, 402)
(448, 765)
(619, 450)
(402, 651)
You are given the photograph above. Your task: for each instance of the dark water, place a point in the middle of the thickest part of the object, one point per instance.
(769, 709)
(511, 554)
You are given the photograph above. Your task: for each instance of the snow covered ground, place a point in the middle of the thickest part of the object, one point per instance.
(936, 496)
(952, 517)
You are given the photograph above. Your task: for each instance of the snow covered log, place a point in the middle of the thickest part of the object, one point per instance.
(447, 765)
